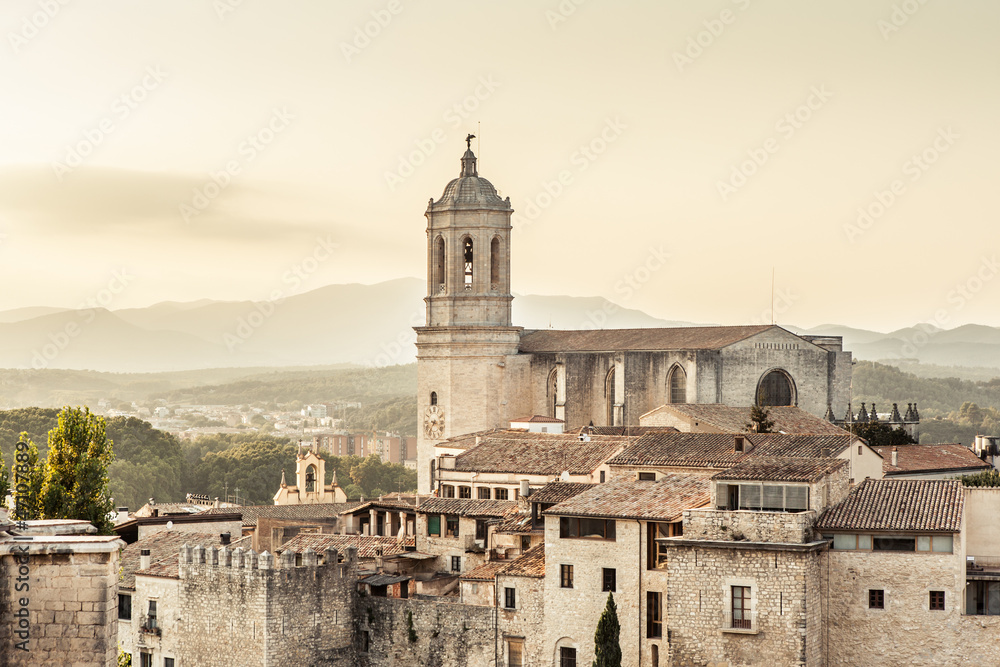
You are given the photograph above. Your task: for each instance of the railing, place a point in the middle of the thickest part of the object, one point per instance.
(147, 624)
(744, 621)
(973, 563)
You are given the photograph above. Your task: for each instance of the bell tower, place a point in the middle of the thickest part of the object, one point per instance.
(461, 352)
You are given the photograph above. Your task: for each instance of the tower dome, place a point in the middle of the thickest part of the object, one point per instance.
(470, 190)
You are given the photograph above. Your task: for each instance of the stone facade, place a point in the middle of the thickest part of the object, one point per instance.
(524, 621)
(752, 526)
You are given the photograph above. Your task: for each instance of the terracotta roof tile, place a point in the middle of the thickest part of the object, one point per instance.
(930, 458)
(556, 492)
(730, 419)
(468, 507)
(800, 446)
(529, 564)
(697, 450)
(515, 524)
(161, 545)
(898, 505)
(536, 419)
(781, 469)
(662, 500)
(252, 512)
(486, 571)
(633, 431)
(613, 340)
(168, 568)
(365, 544)
(539, 454)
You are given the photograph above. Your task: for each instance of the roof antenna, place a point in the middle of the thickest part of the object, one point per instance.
(772, 296)
(479, 140)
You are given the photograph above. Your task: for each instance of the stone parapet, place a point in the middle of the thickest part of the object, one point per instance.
(749, 525)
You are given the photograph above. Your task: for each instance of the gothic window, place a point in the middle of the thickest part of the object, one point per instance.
(553, 389)
(495, 263)
(311, 479)
(609, 393)
(467, 263)
(678, 385)
(434, 398)
(775, 388)
(437, 279)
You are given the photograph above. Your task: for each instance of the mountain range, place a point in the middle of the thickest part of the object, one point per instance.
(365, 324)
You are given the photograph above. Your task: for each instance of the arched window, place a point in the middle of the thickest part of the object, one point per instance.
(434, 398)
(311, 479)
(609, 394)
(467, 263)
(495, 263)
(437, 279)
(552, 388)
(678, 384)
(775, 388)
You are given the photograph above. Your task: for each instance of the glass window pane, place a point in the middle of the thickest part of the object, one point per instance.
(749, 496)
(943, 544)
(848, 541)
(923, 543)
(797, 497)
(864, 541)
(774, 497)
(894, 544)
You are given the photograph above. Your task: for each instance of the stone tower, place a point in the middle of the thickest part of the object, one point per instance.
(461, 353)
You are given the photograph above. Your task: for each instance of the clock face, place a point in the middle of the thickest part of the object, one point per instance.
(434, 422)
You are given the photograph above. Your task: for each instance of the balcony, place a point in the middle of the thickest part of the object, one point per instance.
(744, 622)
(147, 625)
(988, 566)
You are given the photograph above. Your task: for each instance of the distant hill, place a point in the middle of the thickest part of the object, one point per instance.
(365, 325)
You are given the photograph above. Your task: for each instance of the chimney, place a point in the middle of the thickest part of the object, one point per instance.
(145, 560)
(225, 538)
(739, 443)
(895, 457)
(216, 504)
(525, 491)
(824, 452)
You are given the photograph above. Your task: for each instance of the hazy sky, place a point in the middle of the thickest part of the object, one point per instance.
(699, 144)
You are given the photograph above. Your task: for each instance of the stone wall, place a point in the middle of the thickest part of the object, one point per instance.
(749, 525)
(445, 634)
(242, 608)
(525, 621)
(59, 602)
(785, 605)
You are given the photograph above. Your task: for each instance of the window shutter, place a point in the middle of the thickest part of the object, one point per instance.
(721, 495)
(797, 497)
(774, 497)
(749, 496)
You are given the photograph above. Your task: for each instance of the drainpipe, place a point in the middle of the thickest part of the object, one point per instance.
(496, 619)
(641, 569)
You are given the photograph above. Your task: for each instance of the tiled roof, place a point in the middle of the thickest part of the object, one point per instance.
(486, 571)
(538, 454)
(515, 524)
(802, 446)
(468, 507)
(536, 419)
(165, 509)
(781, 469)
(168, 568)
(318, 511)
(614, 340)
(556, 492)
(365, 544)
(529, 564)
(898, 505)
(634, 431)
(395, 505)
(662, 500)
(470, 440)
(161, 545)
(930, 458)
(729, 419)
(697, 450)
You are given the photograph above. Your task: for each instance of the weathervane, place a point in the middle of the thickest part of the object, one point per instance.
(468, 141)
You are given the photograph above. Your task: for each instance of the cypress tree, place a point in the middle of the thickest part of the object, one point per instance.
(607, 649)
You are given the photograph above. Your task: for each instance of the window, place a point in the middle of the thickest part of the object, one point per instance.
(151, 617)
(434, 398)
(456, 563)
(495, 265)
(145, 659)
(741, 607)
(656, 554)
(467, 263)
(483, 492)
(647, 477)
(775, 388)
(609, 578)
(655, 653)
(852, 542)
(654, 615)
(311, 479)
(937, 600)
(571, 526)
(940, 543)
(764, 497)
(894, 544)
(465, 492)
(365, 641)
(438, 266)
(859, 450)
(678, 385)
(124, 607)
(500, 494)
(567, 657)
(434, 525)
(509, 598)
(447, 491)
(451, 525)
(609, 393)
(566, 576)
(515, 651)
(982, 598)
(168, 662)
(602, 477)
(481, 529)
(876, 598)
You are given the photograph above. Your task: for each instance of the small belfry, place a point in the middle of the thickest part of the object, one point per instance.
(309, 489)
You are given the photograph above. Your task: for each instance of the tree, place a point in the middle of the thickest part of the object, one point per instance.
(4, 481)
(607, 648)
(984, 478)
(759, 422)
(28, 476)
(880, 434)
(76, 470)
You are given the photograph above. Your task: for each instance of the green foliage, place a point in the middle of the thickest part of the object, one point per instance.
(395, 415)
(607, 647)
(28, 475)
(253, 464)
(4, 481)
(76, 470)
(36, 422)
(880, 434)
(148, 463)
(411, 632)
(984, 478)
(884, 385)
(124, 659)
(373, 477)
(759, 422)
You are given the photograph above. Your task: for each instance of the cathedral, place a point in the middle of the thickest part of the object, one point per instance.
(477, 370)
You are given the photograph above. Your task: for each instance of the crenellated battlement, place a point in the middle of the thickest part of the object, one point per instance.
(198, 560)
